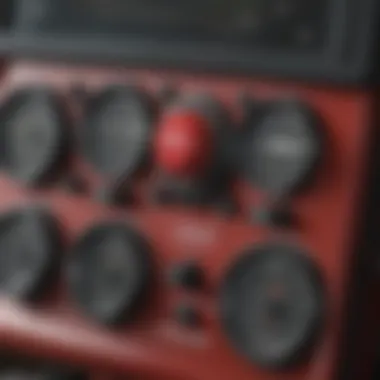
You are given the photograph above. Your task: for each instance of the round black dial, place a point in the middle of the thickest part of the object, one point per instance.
(108, 272)
(117, 132)
(272, 305)
(29, 247)
(33, 135)
(282, 147)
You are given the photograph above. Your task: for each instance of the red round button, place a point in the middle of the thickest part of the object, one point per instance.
(184, 144)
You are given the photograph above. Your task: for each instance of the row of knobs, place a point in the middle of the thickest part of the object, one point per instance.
(191, 140)
(105, 272)
(194, 145)
(270, 300)
(276, 147)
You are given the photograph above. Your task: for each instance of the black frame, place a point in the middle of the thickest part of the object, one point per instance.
(348, 56)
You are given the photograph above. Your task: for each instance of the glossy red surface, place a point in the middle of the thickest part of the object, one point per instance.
(184, 144)
(155, 345)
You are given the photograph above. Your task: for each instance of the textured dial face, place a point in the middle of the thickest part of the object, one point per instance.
(29, 245)
(32, 132)
(272, 305)
(282, 148)
(117, 132)
(108, 271)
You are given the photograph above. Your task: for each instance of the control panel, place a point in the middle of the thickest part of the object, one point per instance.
(178, 226)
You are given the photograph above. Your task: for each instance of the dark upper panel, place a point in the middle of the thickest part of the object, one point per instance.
(331, 40)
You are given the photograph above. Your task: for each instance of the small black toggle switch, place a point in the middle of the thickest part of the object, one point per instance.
(187, 275)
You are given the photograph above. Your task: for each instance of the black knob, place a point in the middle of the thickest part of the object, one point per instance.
(117, 131)
(29, 253)
(109, 270)
(281, 146)
(187, 275)
(34, 135)
(272, 305)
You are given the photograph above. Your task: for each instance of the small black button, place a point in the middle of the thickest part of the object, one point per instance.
(187, 315)
(187, 275)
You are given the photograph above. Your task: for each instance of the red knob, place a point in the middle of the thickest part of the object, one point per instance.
(184, 144)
